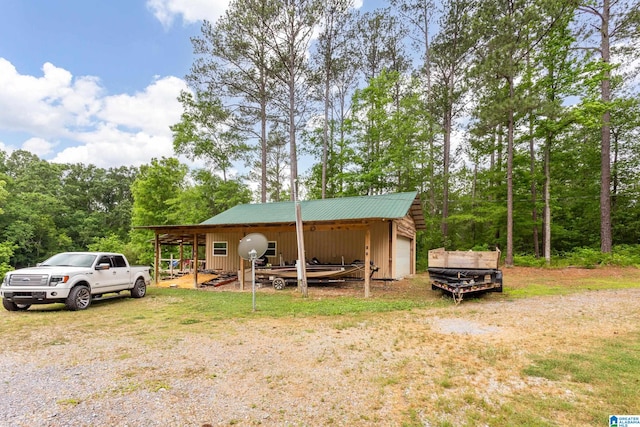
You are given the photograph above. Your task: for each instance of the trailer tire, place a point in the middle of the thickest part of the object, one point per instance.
(279, 283)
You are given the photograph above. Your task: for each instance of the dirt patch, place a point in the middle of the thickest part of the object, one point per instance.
(463, 327)
(515, 278)
(187, 281)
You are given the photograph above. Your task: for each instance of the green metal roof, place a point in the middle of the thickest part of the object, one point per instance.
(387, 206)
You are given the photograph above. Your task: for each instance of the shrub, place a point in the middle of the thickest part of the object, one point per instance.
(528, 261)
(621, 256)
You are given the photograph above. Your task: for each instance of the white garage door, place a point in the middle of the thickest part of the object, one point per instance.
(403, 257)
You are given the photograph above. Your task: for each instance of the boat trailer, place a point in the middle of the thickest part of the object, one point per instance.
(281, 276)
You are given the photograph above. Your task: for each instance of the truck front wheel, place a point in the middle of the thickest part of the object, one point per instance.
(79, 298)
(139, 288)
(12, 306)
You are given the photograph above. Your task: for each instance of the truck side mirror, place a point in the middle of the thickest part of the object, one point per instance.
(103, 266)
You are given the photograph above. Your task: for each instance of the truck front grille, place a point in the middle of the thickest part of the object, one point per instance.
(28, 280)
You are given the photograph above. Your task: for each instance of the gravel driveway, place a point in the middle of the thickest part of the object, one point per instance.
(378, 369)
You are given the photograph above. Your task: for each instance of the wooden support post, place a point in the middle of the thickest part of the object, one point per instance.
(156, 272)
(241, 274)
(181, 265)
(195, 260)
(302, 267)
(413, 256)
(393, 249)
(367, 263)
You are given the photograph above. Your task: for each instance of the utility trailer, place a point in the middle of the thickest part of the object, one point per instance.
(461, 273)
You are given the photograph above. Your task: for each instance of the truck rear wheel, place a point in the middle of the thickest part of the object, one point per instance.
(79, 298)
(139, 288)
(12, 306)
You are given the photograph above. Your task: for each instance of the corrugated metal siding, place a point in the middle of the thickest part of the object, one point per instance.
(332, 247)
(231, 261)
(327, 246)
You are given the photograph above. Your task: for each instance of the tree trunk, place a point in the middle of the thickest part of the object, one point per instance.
(509, 257)
(293, 157)
(325, 136)
(547, 200)
(605, 156)
(263, 159)
(614, 173)
(445, 173)
(534, 190)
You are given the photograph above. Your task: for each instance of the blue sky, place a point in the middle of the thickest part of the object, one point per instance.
(95, 82)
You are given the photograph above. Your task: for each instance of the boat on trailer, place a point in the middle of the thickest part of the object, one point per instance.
(280, 276)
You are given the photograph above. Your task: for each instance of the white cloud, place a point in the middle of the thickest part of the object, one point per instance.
(166, 11)
(69, 119)
(152, 110)
(191, 11)
(6, 148)
(38, 146)
(107, 146)
(45, 104)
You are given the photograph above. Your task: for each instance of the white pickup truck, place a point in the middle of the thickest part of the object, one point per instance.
(73, 278)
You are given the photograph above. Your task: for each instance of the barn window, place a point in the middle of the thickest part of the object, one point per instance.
(220, 248)
(272, 249)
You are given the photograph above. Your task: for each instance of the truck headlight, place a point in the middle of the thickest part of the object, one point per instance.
(55, 280)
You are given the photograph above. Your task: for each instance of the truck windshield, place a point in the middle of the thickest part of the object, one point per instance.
(70, 260)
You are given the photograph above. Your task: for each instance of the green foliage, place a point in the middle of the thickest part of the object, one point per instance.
(586, 257)
(48, 208)
(511, 68)
(156, 185)
(391, 123)
(164, 193)
(626, 255)
(622, 255)
(54, 207)
(275, 168)
(6, 252)
(110, 243)
(3, 194)
(528, 260)
(209, 196)
(204, 133)
(113, 243)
